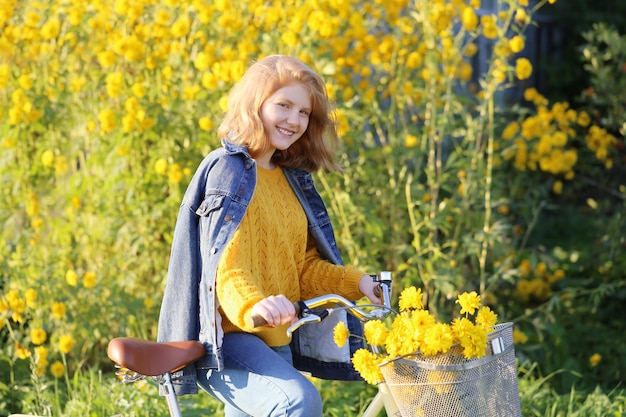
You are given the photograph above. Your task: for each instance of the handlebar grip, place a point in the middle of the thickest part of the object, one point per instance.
(377, 291)
(258, 321)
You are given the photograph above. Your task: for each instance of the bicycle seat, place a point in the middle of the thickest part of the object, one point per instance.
(153, 358)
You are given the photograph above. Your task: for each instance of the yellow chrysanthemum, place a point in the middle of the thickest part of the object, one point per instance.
(469, 302)
(340, 334)
(438, 339)
(375, 332)
(474, 342)
(486, 317)
(366, 363)
(411, 299)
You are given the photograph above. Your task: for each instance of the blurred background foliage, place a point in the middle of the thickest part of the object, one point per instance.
(477, 155)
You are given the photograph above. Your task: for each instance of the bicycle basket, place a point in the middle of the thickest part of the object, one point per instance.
(448, 385)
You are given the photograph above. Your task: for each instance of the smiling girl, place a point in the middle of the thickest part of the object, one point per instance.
(253, 236)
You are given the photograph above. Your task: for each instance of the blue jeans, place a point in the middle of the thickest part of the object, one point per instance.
(260, 381)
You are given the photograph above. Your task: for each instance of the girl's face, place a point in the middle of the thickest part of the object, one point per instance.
(285, 116)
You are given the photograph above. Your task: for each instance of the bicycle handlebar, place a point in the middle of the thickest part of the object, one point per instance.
(305, 313)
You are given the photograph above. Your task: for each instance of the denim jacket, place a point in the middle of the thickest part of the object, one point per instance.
(212, 208)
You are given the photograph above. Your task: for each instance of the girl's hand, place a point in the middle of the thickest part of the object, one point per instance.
(276, 310)
(366, 286)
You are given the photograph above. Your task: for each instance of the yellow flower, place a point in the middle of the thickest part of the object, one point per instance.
(175, 174)
(47, 158)
(366, 363)
(523, 68)
(58, 310)
(516, 44)
(375, 332)
(22, 352)
(595, 359)
(510, 131)
(181, 27)
(160, 166)
(438, 338)
(57, 369)
(410, 141)
(106, 58)
(51, 28)
(66, 343)
(486, 317)
(521, 17)
(107, 120)
(114, 83)
(89, 279)
(340, 334)
(41, 355)
(30, 295)
(519, 337)
(61, 165)
(32, 205)
(471, 50)
(411, 299)
(38, 336)
(469, 19)
(469, 302)
(25, 81)
(474, 343)
(71, 277)
(205, 123)
(203, 61)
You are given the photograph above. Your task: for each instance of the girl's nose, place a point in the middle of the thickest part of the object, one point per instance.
(293, 118)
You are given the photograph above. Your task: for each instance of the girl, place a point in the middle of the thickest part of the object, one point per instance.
(253, 236)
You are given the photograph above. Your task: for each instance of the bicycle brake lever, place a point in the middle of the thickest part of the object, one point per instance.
(313, 318)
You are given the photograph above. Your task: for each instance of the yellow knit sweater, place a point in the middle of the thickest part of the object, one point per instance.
(272, 253)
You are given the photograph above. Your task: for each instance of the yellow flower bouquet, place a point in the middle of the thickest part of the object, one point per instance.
(465, 367)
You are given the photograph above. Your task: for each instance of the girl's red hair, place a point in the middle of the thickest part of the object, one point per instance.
(242, 122)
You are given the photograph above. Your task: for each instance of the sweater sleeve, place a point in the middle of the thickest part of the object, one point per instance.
(237, 288)
(320, 277)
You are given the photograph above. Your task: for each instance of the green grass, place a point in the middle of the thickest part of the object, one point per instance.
(93, 394)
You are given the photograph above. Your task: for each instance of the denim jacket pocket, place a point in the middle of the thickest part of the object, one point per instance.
(210, 203)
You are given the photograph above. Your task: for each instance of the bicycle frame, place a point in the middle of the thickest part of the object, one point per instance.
(138, 359)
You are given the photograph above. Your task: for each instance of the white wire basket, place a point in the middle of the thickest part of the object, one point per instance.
(448, 385)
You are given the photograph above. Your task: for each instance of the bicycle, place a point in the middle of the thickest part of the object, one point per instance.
(138, 359)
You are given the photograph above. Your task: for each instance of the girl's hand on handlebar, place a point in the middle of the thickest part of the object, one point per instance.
(366, 286)
(276, 310)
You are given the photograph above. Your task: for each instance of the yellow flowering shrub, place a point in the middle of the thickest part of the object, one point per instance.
(551, 140)
(415, 329)
(107, 108)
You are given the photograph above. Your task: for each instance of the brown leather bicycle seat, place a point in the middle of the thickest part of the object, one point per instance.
(153, 358)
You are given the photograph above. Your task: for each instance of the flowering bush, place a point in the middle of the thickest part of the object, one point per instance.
(107, 107)
(552, 139)
(415, 329)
